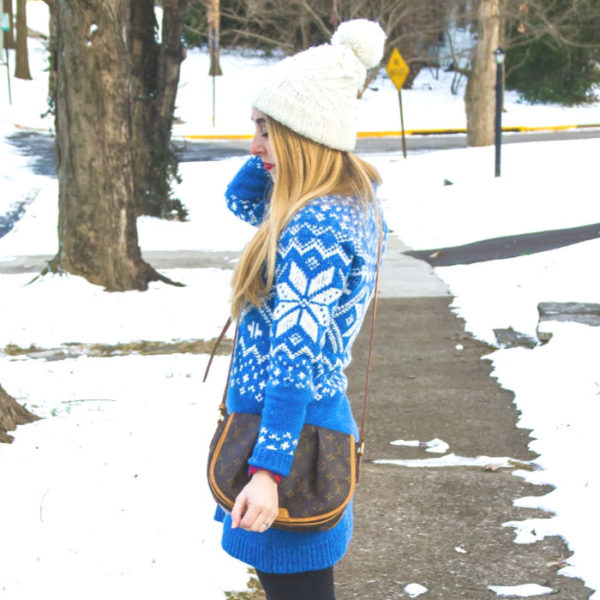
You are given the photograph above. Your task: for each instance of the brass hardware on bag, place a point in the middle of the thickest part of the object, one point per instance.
(360, 451)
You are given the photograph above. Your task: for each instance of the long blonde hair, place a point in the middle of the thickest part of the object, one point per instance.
(305, 170)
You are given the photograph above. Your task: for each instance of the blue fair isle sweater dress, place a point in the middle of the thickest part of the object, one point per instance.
(291, 352)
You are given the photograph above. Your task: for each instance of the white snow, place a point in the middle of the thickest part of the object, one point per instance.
(202, 187)
(106, 494)
(450, 460)
(414, 590)
(435, 445)
(527, 590)
(75, 311)
(109, 486)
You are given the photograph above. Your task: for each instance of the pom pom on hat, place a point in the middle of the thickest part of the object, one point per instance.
(365, 38)
(314, 92)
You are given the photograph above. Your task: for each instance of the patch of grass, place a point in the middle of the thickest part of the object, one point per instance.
(143, 347)
(14, 350)
(150, 348)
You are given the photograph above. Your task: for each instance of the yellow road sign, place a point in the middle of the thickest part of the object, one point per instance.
(397, 69)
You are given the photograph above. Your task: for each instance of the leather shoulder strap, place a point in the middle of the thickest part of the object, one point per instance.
(363, 421)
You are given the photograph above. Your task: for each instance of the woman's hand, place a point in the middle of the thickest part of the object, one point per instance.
(257, 504)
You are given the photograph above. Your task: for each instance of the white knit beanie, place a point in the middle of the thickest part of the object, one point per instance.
(314, 92)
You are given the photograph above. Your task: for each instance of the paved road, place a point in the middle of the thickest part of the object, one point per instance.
(507, 246)
(41, 146)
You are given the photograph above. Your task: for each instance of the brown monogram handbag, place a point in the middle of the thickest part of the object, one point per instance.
(317, 490)
(326, 463)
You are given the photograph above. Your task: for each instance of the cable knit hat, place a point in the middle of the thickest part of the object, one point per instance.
(314, 92)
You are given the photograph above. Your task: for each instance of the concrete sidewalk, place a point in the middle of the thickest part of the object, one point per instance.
(439, 527)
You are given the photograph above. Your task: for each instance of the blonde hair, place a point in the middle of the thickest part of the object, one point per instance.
(305, 170)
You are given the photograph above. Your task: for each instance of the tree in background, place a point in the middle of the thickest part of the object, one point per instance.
(9, 36)
(292, 25)
(22, 67)
(154, 71)
(113, 88)
(214, 28)
(480, 90)
(553, 49)
(11, 415)
(553, 45)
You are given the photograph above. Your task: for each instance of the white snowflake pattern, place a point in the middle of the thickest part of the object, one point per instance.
(312, 262)
(295, 339)
(281, 442)
(254, 330)
(305, 302)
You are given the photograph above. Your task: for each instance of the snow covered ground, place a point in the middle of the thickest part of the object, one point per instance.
(108, 487)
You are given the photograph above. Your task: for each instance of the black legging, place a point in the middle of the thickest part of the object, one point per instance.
(309, 585)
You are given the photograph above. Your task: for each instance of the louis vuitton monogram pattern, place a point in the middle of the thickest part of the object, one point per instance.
(317, 490)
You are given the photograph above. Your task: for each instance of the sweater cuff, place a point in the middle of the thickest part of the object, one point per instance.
(250, 182)
(272, 460)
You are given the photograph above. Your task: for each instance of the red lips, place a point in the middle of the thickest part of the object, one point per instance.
(268, 166)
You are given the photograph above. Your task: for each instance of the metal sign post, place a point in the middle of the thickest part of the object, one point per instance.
(214, 17)
(397, 70)
(499, 56)
(213, 51)
(5, 26)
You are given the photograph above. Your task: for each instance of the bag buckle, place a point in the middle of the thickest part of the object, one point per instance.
(360, 449)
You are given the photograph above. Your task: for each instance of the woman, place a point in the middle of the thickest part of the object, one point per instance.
(300, 292)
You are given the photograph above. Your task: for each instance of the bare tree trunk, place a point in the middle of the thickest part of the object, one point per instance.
(214, 30)
(11, 415)
(144, 52)
(155, 76)
(22, 66)
(480, 92)
(9, 36)
(97, 207)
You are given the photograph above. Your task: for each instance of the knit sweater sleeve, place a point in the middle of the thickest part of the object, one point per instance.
(314, 261)
(247, 193)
